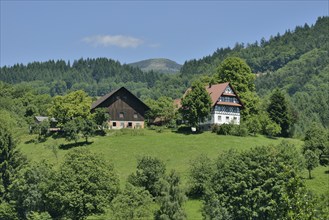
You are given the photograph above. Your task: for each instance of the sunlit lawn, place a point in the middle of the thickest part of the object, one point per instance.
(175, 149)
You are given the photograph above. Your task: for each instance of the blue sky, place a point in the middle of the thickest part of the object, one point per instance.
(130, 31)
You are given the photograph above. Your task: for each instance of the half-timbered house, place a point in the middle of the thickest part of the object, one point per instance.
(225, 102)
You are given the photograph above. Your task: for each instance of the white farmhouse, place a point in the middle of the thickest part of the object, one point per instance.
(226, 105)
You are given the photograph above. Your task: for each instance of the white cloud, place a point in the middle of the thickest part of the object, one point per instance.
(113, 40)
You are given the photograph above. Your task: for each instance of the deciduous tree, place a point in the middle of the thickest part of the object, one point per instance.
(132, 203)
(317, 140)
(311, 161)
(261, 183)
(196, 105)
(73, 105)
(85, 185)
(201, 170)
(150, 170)
(238, 73)
(172, 199)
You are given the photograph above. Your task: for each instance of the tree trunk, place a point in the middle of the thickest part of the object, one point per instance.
(309, 174)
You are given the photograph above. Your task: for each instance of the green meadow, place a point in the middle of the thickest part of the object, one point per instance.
(177, 150)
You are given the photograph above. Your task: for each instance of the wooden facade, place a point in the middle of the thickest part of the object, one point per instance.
(125, 109)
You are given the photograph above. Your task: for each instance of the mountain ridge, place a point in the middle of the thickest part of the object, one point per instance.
(161, 65)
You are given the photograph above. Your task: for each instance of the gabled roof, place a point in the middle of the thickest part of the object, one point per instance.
(215, 91)
(43, 118)
(107, 96)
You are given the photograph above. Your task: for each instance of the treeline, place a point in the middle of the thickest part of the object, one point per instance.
(95, 76)
(267, 55)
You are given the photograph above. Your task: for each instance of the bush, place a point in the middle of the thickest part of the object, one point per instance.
(225, 129)
(129, 131)
(214, 128)
(273, 129)
(240, 130)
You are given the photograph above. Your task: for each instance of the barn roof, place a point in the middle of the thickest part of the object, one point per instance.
(107, 96)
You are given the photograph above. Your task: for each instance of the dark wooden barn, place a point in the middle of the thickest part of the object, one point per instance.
(125, 109)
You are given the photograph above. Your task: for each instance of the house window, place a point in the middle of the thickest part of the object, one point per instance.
(114, 124)
(219, 118)
(227, 119)
(135, 115)
(235, 120)
(130, 124)
(121, 115)
(228, 90)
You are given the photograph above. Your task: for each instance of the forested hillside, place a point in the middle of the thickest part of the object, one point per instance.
(267, 55)
(296, 62)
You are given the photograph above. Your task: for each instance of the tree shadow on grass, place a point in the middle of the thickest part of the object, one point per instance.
(187, 131)
(31, 141)
(71, 145)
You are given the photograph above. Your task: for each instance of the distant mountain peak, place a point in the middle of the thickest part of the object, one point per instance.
(161, 65)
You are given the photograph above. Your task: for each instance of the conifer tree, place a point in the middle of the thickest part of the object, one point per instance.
(10, 159)
(279, 112)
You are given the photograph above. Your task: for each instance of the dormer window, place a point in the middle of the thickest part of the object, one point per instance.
(228, 90)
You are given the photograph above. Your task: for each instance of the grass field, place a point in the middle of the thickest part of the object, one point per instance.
(122, 148)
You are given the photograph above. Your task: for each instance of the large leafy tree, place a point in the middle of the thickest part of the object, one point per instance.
(150, 170)
(317, 140)
(85, 185)
(279, 112)
(30, 187)
(73, 105)
(238, 73)
(172, 199)
(100, 117)
(132, 203)
(200, 172)
(196, 104)
(261, 183)
(162, 108)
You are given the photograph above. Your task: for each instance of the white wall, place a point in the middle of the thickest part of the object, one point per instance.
(225, 118)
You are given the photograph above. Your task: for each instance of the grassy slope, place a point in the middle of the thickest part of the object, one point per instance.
(176, 150)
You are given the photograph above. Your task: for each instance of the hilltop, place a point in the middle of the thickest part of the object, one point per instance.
(160, 65)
